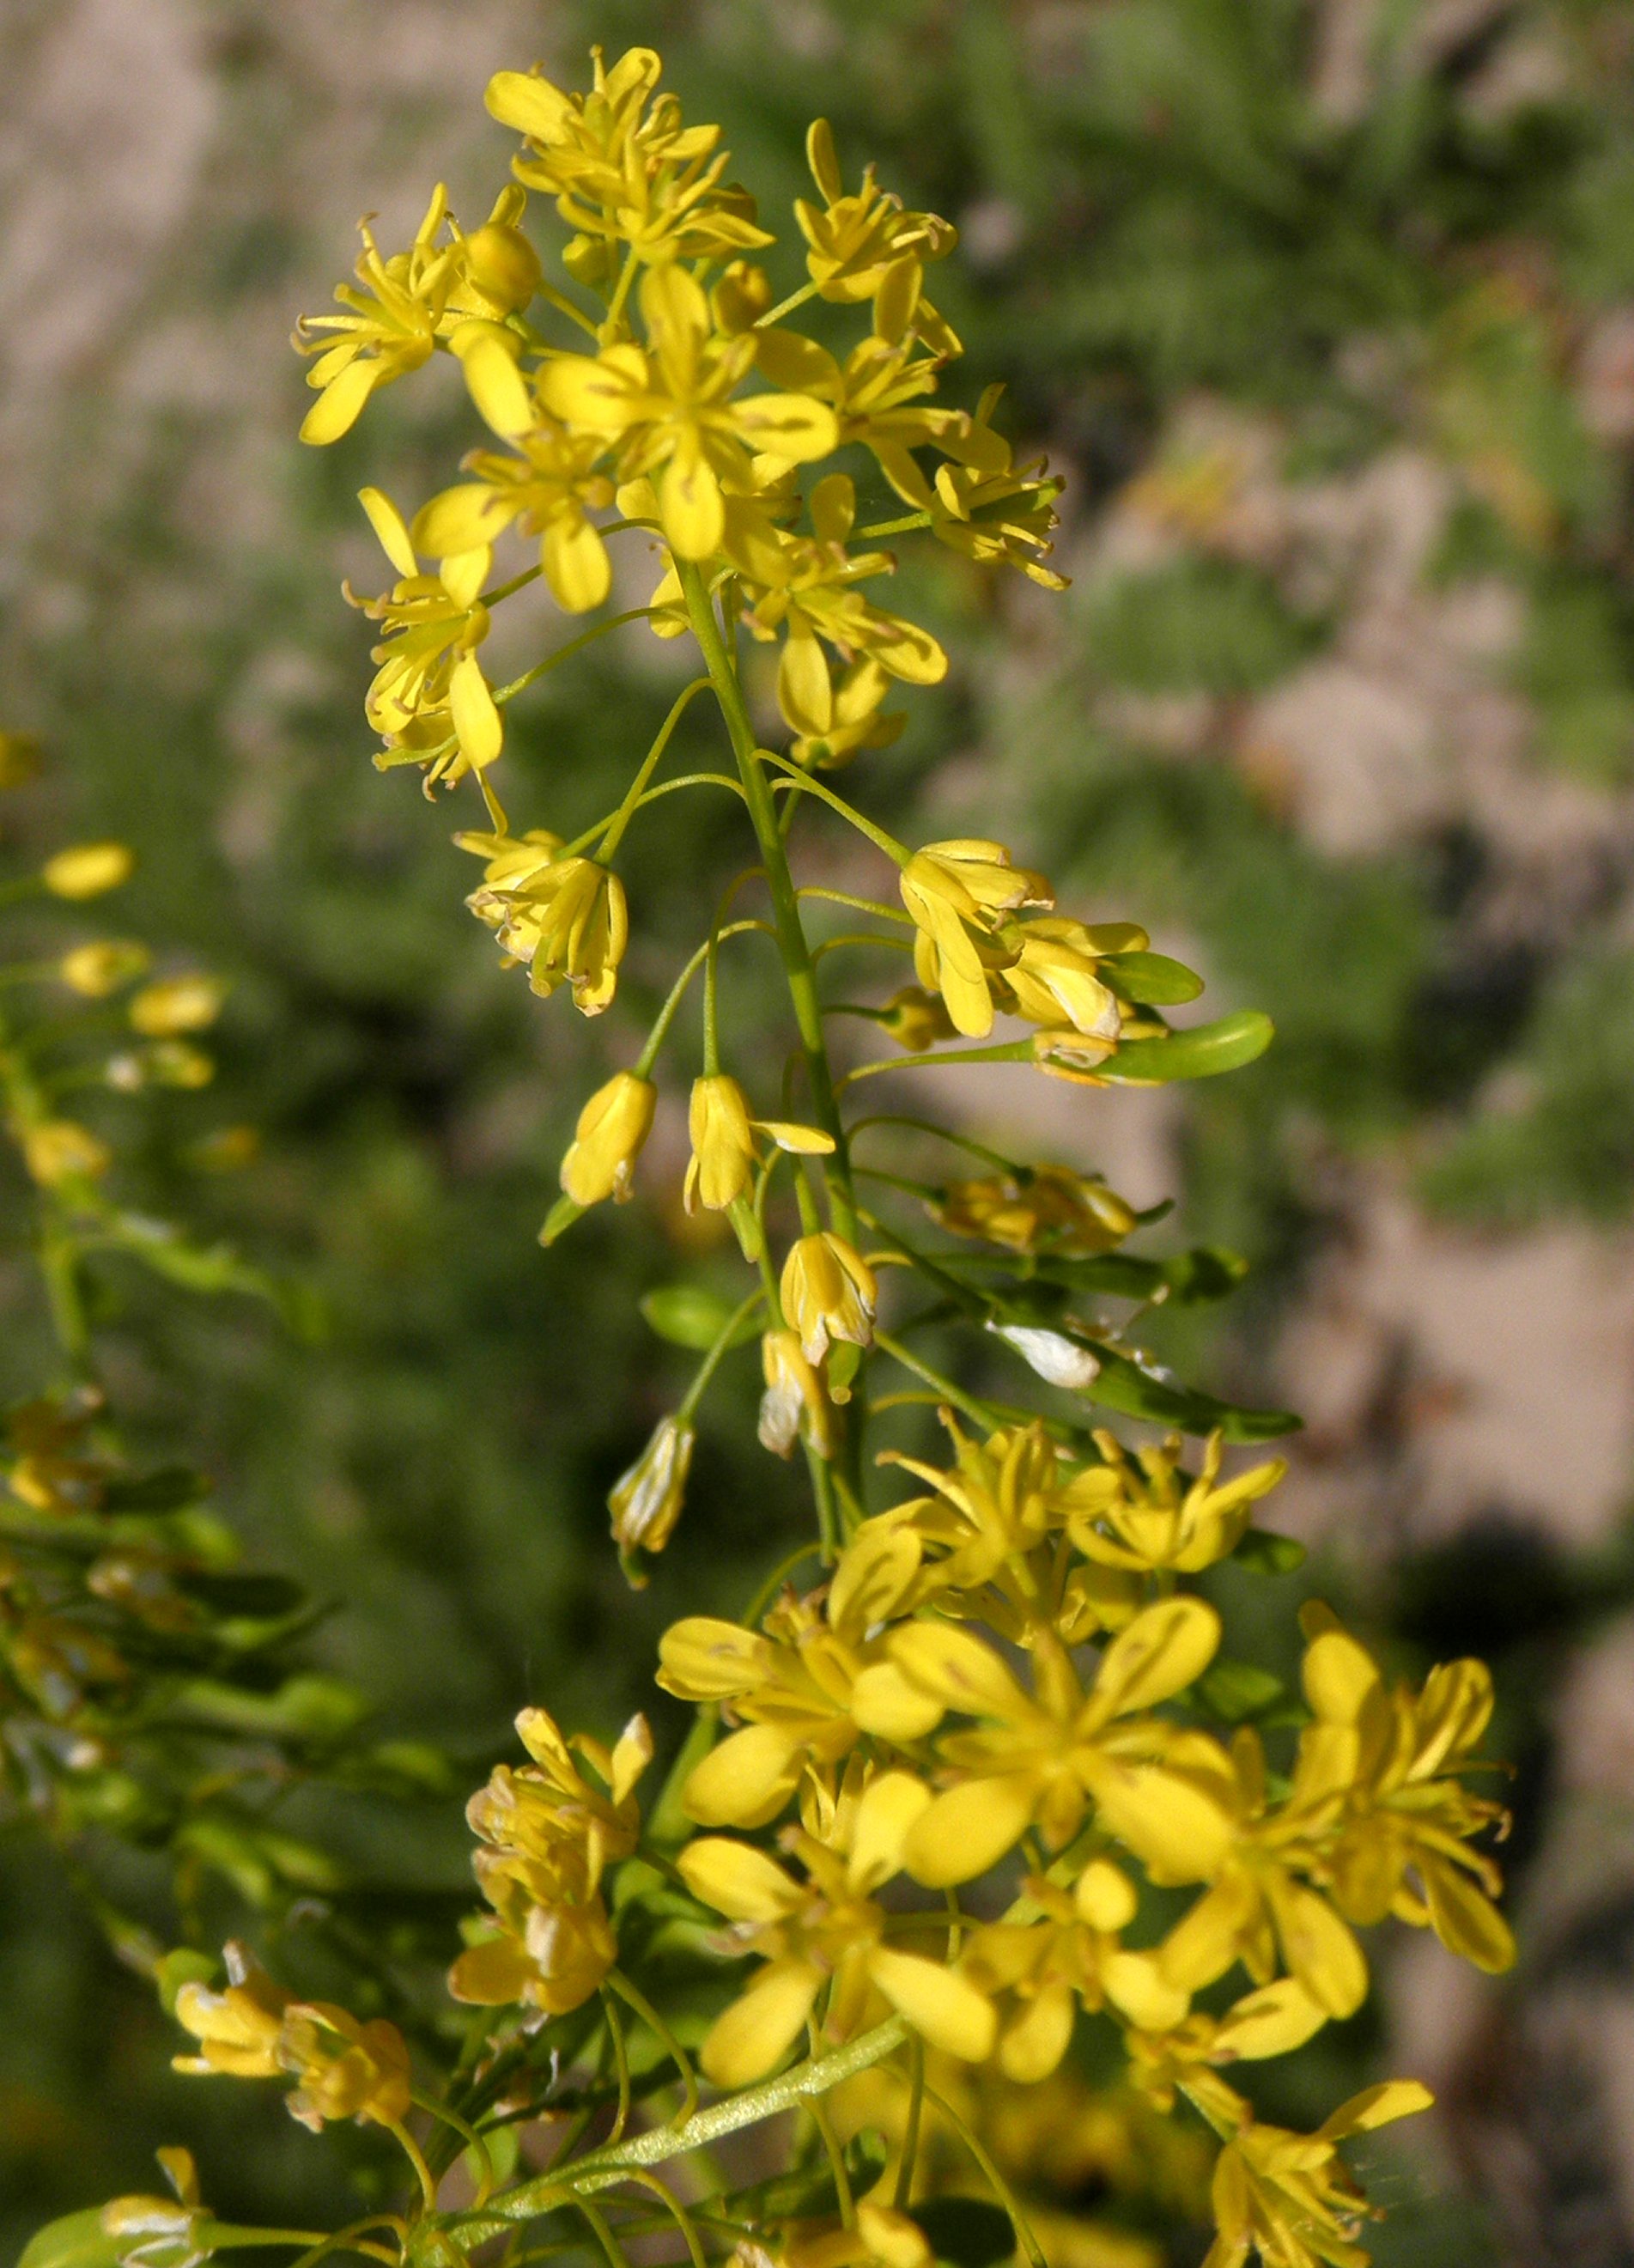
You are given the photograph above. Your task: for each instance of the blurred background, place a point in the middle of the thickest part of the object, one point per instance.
(1326, 309)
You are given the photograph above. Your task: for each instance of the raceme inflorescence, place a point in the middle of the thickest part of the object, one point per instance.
(979, 1796)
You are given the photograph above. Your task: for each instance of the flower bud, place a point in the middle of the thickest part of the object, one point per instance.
(829, 1291)
(588, 260)
(503, 265)
(176, 1004)
(915, 1019)
(613, 1126)
(794, 1402)
(88, 869)
(95, 970)
(645, 1502)
(741, 297)
(723, 1145)
(61, 1149)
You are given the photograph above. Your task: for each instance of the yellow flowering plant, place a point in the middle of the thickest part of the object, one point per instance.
(962, 1791)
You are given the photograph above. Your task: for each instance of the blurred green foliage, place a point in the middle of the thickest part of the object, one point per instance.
(1163, 202)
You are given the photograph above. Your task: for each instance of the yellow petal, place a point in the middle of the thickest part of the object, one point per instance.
(1377, 2106)
(703, 1660)
(492, 1975)
(747, 1780)
(757, 2031)
(800, 1141)
(460, 519)
(1272, 2022)
(1036, 2042)
(691, 507)
(969, 1830)
(737, 1879)
(1160, 1651)
(340, 405)
(464, 574)
(873, 1577)
(884, 1704)
(1465, 1919)
(1104, 1895)
(946, 2007)
(1135, 1985)
(478, 726)
(575, 564)
(1319, 1947)
(959, 1670)
(1180, 1833)
(1339, 1675)
(887, 1809)
(795, 425)
(496, 387)
(527, 104)
(387, 523)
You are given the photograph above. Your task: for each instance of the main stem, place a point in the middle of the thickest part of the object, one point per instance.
(791, 940)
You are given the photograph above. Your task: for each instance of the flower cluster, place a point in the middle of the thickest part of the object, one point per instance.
(992, 1783)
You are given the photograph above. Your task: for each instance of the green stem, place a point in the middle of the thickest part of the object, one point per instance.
(651, 762)
(797, 959)
(603, 2169)
(671, 2047)
(802, 784)
(1014, 1051)
(656, 1037)
(910, 2132)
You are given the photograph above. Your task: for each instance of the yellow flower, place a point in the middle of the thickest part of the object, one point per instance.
(549, 1833)
(1260, 1905)
(808, 588)
(621, 159)
(806, 1690)
(723, 1134)
(613, 1126)
(1184, 2058)
(957, 892)
(60, 1150)
(430, 700)
(669, 408)
(93, 971)
(548, 488)
(567, 918)
(1393, 1757)
(1070, 1954)
(856, 720)
(865, 247)
(1050, 973)
(1158, 1516)
(390, 326)
(829, 1291)
(795, 1403)
(989, 510)
(88, 870)
(1003, 1500)
(645, 1502)
(876, 393)
(55, 1468)
(1036, 1209)
(174, 1005)
(1047, 1757)
(345, 2069)
(1288, 2197)
(238, 2031)
(826, 1928)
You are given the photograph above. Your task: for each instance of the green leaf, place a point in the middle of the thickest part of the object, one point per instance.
(1237, 1690)
(1267, 1553)
(1207, 1271)
(1202, 1052)
(166, 1489)
(306, 1707)
(968, 2231)
(689, 1315)
(1123, 1386)
(78, 2241)
(1150, 978)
